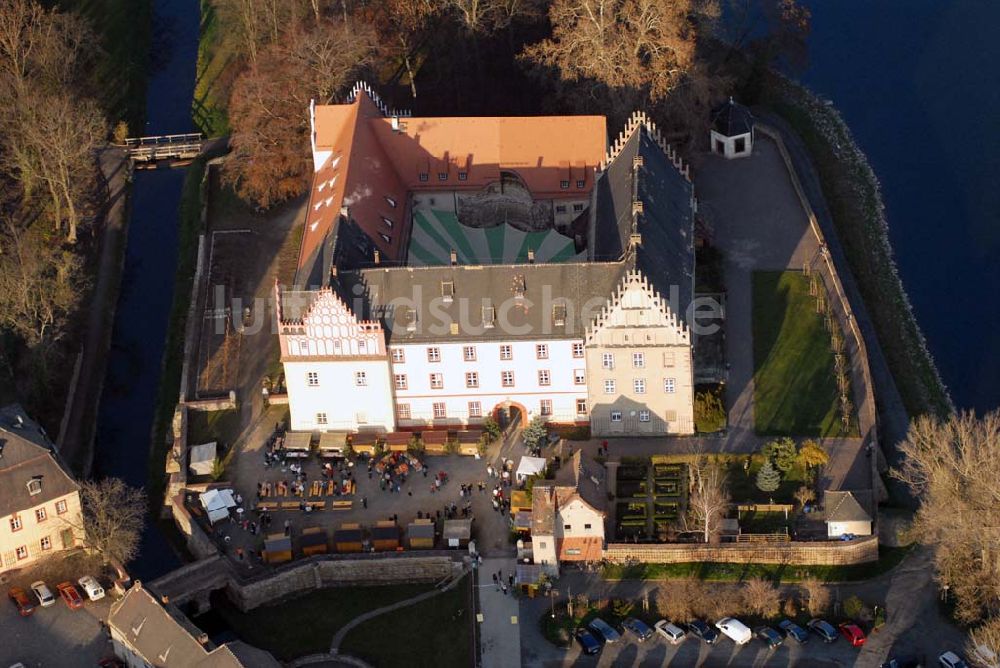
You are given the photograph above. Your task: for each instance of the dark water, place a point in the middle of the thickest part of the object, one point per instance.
(918, 82)
(129, 400)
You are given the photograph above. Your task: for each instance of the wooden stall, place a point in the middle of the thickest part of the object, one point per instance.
(277, 549)
(385, 536)
(398, 441)
(297, 444)
(520, 500)
(521, 522)
(350, 537)
(457, 533)
(313, 541)
(420, 534)
(468, 441)
(332, 445)
(364, 443)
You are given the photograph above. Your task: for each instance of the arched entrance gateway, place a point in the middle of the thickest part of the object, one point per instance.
(509, 413)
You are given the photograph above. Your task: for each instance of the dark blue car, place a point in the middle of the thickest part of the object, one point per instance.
(588, 643)
(638, 628)
(794, 631)
(770, 637)
(823, 629)
(704, 631)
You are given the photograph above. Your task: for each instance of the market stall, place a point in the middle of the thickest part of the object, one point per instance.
(217, 504)
(385, 536)
(297, 444)
(277, 549)
(350, 537)
(420, 534)
(457, 533)
(530, 466)
(313, 541)
(332, 445)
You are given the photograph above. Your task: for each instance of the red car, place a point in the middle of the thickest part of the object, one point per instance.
(20, 598)
(853, 634)
(70, 596)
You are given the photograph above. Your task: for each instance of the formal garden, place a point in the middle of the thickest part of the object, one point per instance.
(651, 498)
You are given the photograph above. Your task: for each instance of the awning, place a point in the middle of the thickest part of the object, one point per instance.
(201, 458)
(298, 440)
(332, 443)
(530, 466)
(217, 503)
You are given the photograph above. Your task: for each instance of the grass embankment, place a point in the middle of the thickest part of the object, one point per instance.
(889, 558)
(218, 64)
(124, 28)
(307, 624)
(435, 632)
(795, 391)
(852, 193)
(173, 352)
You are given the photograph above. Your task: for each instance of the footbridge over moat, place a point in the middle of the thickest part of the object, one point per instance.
(164, 147)
(192, 585)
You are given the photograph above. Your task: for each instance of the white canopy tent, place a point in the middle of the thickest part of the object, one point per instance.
(217, 503)
(530, 466)
(202, 458)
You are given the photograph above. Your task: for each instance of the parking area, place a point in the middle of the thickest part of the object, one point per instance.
(54, 636)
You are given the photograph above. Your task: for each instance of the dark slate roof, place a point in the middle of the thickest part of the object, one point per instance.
(415, 530)
(732, 119)
(665, 225)
(385, 532)
(26, 453)
(386, 294)
(847, 506)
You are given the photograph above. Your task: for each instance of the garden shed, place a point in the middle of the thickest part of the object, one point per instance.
(385, 536)
(350, 537)
(457, 532)
(846, 513)
(420, 534)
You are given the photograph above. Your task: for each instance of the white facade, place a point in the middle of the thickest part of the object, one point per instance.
(858, 528)
(349, 395)
(461, 383)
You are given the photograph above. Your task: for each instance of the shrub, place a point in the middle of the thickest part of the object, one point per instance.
(791, 608)
(709, 411)
(491, 430)
(818, 596)
(853, 606)
(760, 597)
(415, 446)
(782, 452)
(622, 607)
(672, 602)
(723, 601)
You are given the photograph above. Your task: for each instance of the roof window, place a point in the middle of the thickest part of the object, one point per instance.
(391, 201)
(424, 177)
(387, 221)
(489, 316)
(448, 290)
(35, 485)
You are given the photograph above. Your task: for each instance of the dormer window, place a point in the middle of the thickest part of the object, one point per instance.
(518, 286)
(387, 221)
(564, 185)
(442, 176)
(35, 486)
(559, 315)
(424, 177)
(385, 237)
(463, 176)
(489, 317)
(391, 201)
(410, 318)
(448, 290)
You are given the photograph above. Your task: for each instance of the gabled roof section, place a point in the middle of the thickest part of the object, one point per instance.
(26, 454)
(637, 303)
(844, 506)
(318, 324)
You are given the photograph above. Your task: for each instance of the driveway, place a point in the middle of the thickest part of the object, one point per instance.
(55, 636)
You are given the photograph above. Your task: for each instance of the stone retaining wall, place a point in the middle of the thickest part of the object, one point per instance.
(826, 553)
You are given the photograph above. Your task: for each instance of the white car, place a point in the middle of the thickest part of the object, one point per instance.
(735, 630)
(43, 593)
(952, 660)
(93, 588)
(672, 633)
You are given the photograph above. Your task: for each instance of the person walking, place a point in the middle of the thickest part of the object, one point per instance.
(364, 502)
(510, 578)
(496, 582)
(504, 587)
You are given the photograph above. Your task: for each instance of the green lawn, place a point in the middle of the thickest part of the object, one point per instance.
(889, 558)
(795, 392)
(435, 632)
(306, 625)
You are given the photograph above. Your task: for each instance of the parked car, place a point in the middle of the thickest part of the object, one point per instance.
(793, 631)
(638, 628)
(70, 596)
(770, 637)
(672, 633)
(703, 631)
(952, 660)
(604, 630)
(853, 634)
(91, 587)
(20, 598)
(823, 629)
(588, 643)
(735, 630)
(848, 536)
(43, 593)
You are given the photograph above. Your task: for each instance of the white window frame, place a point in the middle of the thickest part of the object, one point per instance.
(541, 351)
(61, 506)
(638, 360)
(403, 412)
(472, 379)
(440, 410)
(579, 376)
(506, 352)
(399, 381)
(639, 385)
(643, 416)
(581, 406)
(361, 378)
(41, 515)
(609, 386)
(15, 523)
(577, 350)
(433, 354)
(475, 409)
(398, 355)
(608, 361)
(544, 378)
(507, 379)
(469, 353)
(45, 543)
(545, 407)
(616, 416)
(670, 385)
(322, 418)
(21, 552)
(312, 379)
(437, 381)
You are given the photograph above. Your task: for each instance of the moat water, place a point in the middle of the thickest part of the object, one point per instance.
(128, 402)
(918, 83)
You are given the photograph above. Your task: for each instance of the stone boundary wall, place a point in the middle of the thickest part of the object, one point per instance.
(223, 403)
(827, 553)
(861, 378)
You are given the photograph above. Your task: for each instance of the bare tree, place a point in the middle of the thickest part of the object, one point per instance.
(983, 646)
(817, 596)
(113, 517)
(804, 495)
(760, 597)
(401, 26)
(954, 467)
(709, 498)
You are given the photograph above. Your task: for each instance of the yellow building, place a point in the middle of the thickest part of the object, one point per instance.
(40, 510)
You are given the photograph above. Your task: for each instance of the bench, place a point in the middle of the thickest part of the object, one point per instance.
(289, 505)
(342, 505)
(316, 505)
(267, 505)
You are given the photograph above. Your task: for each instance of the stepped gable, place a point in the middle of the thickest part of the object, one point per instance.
(318, 324)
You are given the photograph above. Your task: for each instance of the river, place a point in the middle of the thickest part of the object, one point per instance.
(128, 402)
(918, 83)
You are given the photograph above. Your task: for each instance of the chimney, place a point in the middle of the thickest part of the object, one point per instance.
(531, 256)
(454, 256)
(395, 123)
(378, 257)
(203, 639)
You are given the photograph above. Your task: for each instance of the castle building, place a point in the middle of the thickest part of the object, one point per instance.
(456, 268)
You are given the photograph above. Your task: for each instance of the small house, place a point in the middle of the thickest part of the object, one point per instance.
(277, 549)
(847, 513)
(420, 534)
(457, 533)
(350, 537)
(385, 536)
(313, 541)
(732, 131)
(201, 458)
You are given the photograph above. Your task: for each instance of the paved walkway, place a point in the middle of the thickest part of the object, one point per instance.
(500, 630)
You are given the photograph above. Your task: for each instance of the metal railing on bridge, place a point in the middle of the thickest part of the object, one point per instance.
(164, 147)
